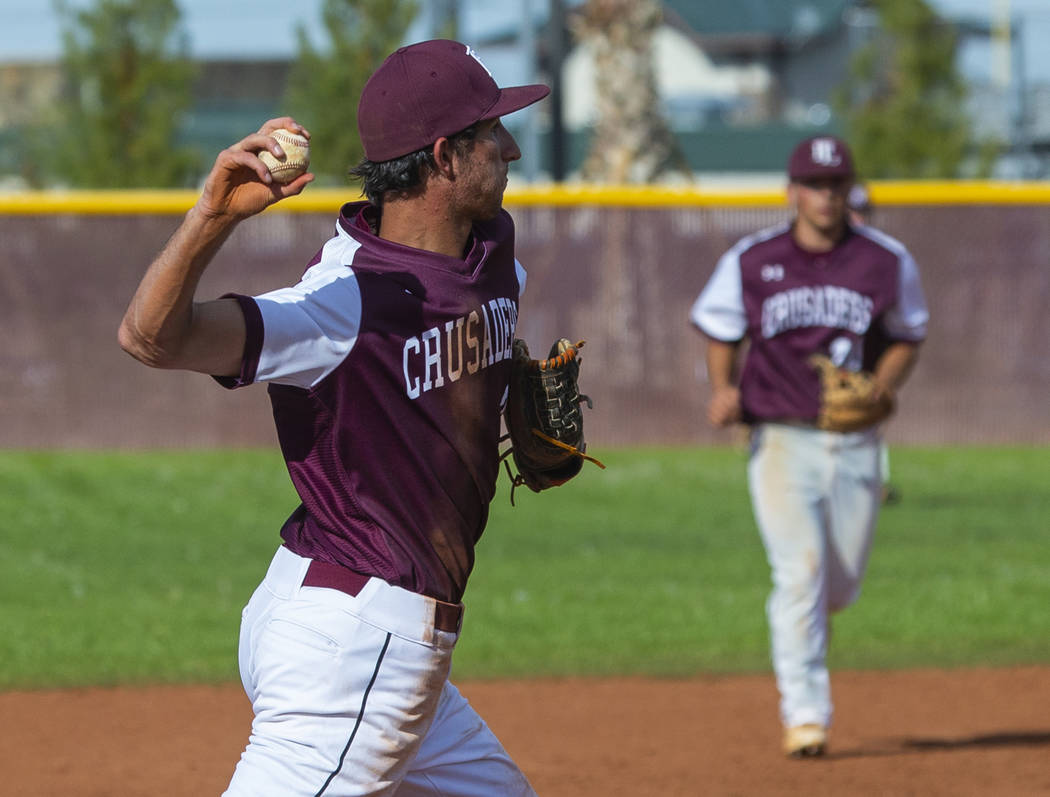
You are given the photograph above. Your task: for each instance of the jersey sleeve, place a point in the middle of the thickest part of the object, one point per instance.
(719, 309)
(308, 329)
(908, 318)
(519, 269)
(252, 344)
(300, 334)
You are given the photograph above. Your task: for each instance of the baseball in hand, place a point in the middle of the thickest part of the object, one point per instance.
(296, 156)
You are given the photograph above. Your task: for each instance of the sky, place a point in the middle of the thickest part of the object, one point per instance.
(266, 28)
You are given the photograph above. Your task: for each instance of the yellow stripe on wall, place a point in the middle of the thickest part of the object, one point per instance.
(114, 203)
(947, 192)
(328, 200)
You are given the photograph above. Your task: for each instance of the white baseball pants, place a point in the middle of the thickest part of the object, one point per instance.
(816, 498)
(351, 697)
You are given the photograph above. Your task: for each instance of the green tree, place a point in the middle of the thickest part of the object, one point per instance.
(324, 84)
(127, 81)
(903, 101)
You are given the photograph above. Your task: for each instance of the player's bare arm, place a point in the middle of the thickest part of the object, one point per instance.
(723, 408)
(895, 366)
(163, 326)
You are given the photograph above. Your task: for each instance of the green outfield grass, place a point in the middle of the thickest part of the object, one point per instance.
(133, 568)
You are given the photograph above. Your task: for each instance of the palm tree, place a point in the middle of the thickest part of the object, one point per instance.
(632, 141)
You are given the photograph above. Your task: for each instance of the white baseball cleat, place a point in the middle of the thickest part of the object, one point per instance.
(805, 741)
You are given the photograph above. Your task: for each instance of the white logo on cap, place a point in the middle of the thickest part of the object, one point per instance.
(474, 55)
(824, 152)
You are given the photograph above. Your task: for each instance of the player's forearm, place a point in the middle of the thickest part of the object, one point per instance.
(896, 364)
(723, 406)
(721, 363)
(158, 326)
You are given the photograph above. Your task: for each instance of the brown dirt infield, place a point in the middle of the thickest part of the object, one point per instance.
(959, 733)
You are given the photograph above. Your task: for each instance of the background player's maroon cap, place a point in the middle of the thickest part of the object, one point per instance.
(428, 90)
(820, 156)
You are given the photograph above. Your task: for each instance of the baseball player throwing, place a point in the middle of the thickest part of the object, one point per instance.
(815, 286)
(388, 366)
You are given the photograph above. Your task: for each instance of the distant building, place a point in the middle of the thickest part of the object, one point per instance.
(740, 82)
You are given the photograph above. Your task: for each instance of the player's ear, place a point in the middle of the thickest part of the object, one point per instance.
(442, 151)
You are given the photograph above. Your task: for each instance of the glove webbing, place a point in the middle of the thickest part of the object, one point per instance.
(548, 392)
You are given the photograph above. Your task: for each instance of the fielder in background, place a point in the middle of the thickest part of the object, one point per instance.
(388, 367)
(809, 297)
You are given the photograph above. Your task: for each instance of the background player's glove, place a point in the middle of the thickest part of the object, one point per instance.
(849, 400)
(543, 417)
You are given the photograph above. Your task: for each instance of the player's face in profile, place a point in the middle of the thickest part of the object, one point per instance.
(821, 203)
(483, 170)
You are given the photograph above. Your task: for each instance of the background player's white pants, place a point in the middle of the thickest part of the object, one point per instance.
(351, 697)
(816, 498)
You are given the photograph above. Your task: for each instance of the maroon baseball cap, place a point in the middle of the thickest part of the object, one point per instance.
(428, 90)
(820, 156)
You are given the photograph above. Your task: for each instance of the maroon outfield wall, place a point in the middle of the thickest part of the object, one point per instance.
(623, 278)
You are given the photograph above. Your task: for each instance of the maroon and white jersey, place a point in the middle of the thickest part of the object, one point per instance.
(388, 369)
(848, 303)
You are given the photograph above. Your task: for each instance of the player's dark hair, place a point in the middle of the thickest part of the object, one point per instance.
(402, 175)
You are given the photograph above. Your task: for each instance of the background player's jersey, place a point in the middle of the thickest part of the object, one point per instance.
(389, 368)
(848, 303)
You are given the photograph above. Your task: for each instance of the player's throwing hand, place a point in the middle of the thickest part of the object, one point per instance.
(240, 185)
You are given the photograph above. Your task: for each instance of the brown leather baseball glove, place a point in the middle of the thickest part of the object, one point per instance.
(849, 400)
(543, 417)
